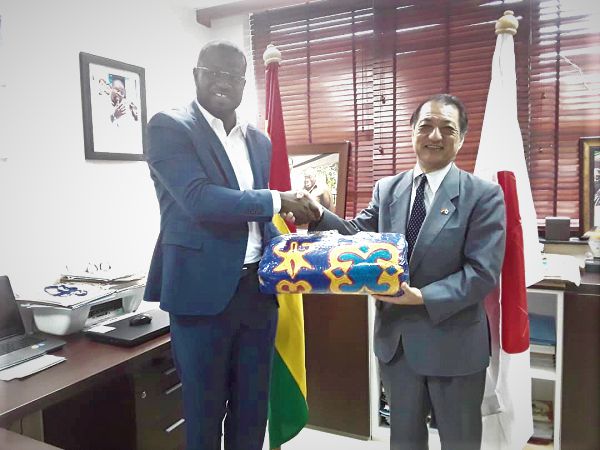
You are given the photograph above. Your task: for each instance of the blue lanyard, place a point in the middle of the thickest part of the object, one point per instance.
(62, 290)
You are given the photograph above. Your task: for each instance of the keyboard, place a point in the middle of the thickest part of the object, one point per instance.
(17, 343)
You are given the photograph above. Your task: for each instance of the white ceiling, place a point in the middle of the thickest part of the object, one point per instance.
(195, 4)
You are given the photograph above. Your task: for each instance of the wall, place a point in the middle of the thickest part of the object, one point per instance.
(57, 208)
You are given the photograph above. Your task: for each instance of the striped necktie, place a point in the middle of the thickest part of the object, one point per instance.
(417, 216)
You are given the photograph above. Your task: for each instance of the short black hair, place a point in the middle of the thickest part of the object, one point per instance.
(219, 45)
(446, 99)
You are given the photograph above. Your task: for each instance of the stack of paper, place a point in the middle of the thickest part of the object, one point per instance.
(40, 296)
(99, 276)
(30, 367)
(542, 355)
(542, 361)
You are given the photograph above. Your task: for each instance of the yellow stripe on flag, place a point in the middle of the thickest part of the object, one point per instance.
(290, 329)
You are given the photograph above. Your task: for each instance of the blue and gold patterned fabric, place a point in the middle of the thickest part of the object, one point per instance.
(331, 263)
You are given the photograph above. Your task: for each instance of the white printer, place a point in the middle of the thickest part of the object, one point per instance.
(72, 313)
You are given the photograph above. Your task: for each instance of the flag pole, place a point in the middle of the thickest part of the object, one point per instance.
(271, 55)
(506, 407)
(288, 408)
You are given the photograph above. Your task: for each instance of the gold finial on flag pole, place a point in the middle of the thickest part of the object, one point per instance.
(271, 54)
(508, 23)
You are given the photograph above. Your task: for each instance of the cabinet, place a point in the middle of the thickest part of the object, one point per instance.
(141, 409)
(581, 366)
(98, 418)
(337, 363)
(158, 405)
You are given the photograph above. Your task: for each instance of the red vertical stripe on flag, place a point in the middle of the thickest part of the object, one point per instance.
(280, 171)
(515, 320)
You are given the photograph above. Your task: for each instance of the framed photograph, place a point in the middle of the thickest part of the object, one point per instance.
(113, 98)
(589, 203)
(321, 169)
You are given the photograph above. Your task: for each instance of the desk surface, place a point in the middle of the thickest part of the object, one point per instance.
(87, 364)
(590, 284)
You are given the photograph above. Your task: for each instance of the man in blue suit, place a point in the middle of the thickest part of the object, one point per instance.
(432, 341)
(211, 174)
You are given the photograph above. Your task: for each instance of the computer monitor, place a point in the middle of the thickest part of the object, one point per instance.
(11, 323)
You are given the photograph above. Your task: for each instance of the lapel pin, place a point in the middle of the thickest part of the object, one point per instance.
(445, 211)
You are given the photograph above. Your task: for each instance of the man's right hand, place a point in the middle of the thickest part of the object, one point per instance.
(119, 111)
(301, 206)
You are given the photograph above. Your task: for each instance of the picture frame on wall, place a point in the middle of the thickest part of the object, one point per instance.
(589, 203)
(113, 99)
(322, 170)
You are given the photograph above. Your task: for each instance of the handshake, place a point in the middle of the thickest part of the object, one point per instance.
(299, 207)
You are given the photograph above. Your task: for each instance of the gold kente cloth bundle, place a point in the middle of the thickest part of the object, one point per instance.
(331, 263)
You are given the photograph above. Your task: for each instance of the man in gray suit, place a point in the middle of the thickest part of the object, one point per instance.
(432, 341)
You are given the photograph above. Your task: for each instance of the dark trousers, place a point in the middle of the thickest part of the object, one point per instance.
(455, 402)
(224, 363)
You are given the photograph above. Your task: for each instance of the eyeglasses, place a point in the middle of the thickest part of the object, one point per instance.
(92, 268)
(426, 128)
(220, 75)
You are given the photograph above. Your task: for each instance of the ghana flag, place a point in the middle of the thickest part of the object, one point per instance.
(288, 410)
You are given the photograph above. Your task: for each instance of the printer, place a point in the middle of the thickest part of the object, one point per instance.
(61, 316)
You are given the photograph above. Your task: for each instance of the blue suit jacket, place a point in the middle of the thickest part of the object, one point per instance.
(200, 251)
(456, 262)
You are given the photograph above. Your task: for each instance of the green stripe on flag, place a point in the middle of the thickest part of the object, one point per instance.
(286, 403)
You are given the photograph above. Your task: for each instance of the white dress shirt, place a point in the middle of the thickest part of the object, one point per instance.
(434, 180)
(235, 146)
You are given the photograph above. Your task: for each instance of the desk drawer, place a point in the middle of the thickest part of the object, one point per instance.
(155, 382)
(158, 405)
(158, 364)
(164, 435)
(168, 404)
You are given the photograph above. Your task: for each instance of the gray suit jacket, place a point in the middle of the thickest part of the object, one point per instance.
(456, 262)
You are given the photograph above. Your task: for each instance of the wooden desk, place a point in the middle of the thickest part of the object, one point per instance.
(89, 366)
(581, 365)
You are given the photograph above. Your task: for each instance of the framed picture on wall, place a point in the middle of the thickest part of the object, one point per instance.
(589, 204)
(322, 170)
(113, 98)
